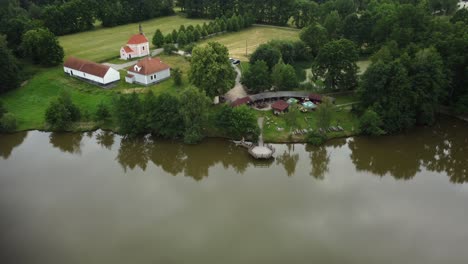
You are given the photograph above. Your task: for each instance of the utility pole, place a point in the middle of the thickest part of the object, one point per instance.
(246, 47)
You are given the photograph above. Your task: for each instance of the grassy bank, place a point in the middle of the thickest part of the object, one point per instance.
(308, 120)
(29, 102)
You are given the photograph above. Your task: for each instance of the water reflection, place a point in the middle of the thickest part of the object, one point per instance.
(175, 158)
(441, 148)
(67, 142)
(10, 141)
(288, 160)
(319, 158)
(105, 139)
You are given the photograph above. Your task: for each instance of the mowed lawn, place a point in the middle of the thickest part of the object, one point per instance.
(29, 103)
(102, 44)
(252, 37)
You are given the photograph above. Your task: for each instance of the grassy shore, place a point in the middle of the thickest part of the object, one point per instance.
(28, 103)
(341, 117)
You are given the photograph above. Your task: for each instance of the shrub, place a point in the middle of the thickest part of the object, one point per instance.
(102, 113)
(315, 138)
(169, 48)
(177, 75)
(370, 123)
(62, 112)
(8, 123)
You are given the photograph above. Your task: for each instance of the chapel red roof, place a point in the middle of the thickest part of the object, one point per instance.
(128, 49)
(137, 39)
(280, 105)
(85, 66)
(149, 66)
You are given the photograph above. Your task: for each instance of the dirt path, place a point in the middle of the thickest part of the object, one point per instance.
(238, 91)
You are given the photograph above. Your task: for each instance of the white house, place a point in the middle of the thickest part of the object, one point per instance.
(137, 46)
(148, 71)
(91, 71)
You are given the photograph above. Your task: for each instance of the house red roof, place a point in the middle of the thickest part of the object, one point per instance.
(127, 49)
(148, 66)
(241, 101)
(280, 105)
(315, 97)
(137, 39)
(85, 66)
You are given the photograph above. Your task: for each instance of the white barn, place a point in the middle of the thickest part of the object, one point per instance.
(148, 71)
(91, 71)
(137, 46)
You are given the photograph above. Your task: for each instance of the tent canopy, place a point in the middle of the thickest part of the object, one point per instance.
(309, 105)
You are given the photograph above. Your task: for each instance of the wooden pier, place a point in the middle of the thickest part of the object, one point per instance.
(259, 150)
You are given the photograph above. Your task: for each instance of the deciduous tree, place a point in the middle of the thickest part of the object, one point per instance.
(211, 70)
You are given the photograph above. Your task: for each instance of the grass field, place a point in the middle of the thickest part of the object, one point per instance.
(103, 44)
(29, 102)
(252, 37)
(308, 120)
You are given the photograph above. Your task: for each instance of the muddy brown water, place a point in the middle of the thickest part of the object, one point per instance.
(96, 198)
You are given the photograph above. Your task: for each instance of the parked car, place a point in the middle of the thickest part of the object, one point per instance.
(234, 61)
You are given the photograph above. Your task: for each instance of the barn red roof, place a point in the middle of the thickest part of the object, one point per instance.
(241, 101)
(85, 66)
(137, 39)
(280, 105)
(128, 49)
(149, 66)
(315, 97)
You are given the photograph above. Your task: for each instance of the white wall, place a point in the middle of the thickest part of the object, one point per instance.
(83, 75)
(146, 79)
(138, 49)
(111, 76)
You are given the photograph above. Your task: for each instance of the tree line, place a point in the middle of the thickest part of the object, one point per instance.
(71, 16)
(185, 116)
(190, 34)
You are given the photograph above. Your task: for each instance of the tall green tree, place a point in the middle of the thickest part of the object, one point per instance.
(257, 77)
(163, 116)
(193, 108)
(42, 47)
(284, 77)
(386, 87)
(237, 122)
(336, 64)
(211, 70)
(129, 115)
(315, 36)
(324, 114)
(333, 24)
(266, 53)
(158, 39)
(9, 70)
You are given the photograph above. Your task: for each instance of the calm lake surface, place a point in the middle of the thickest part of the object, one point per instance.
(97, 198)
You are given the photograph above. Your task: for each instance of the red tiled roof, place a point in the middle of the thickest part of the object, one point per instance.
(280, 105)
(241, 101)
(149, 66)
(137, 39)
(85, 66)
(315, 97)
(130, 75)
(128, 49)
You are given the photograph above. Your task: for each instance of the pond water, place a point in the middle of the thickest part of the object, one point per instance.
(97, 198)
